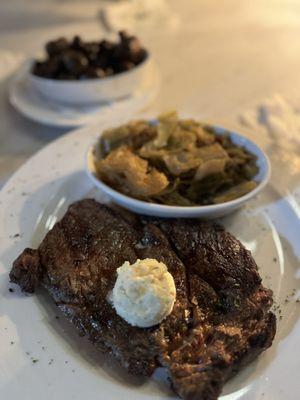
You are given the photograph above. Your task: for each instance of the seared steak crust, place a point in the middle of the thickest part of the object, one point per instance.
(220, 320)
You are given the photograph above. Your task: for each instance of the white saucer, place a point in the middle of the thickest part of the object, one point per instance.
(34, 106)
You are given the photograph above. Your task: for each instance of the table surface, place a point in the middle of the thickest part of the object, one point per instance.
(223, 58)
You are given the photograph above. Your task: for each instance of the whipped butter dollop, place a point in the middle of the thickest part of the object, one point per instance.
(144, 292)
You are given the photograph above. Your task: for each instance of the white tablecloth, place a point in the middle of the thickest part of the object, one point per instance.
(223, 58)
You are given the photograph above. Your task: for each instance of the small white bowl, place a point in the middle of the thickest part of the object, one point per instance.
(210, 211)
(94, 90)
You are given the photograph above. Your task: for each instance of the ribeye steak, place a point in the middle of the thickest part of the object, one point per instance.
(220, 321)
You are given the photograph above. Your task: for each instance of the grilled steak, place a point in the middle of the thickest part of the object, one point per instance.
(231, 322)
(220, 320)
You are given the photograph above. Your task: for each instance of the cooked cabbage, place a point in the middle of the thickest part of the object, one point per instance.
(176, 162)
(130, 174)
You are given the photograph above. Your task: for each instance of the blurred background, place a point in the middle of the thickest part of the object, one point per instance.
(215, 58)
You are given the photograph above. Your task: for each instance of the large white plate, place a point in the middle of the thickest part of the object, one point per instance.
(42, 357)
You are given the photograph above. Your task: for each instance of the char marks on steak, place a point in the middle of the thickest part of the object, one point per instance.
(220, 321)
(231, 322)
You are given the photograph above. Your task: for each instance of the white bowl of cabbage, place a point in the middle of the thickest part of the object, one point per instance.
(172, 167)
